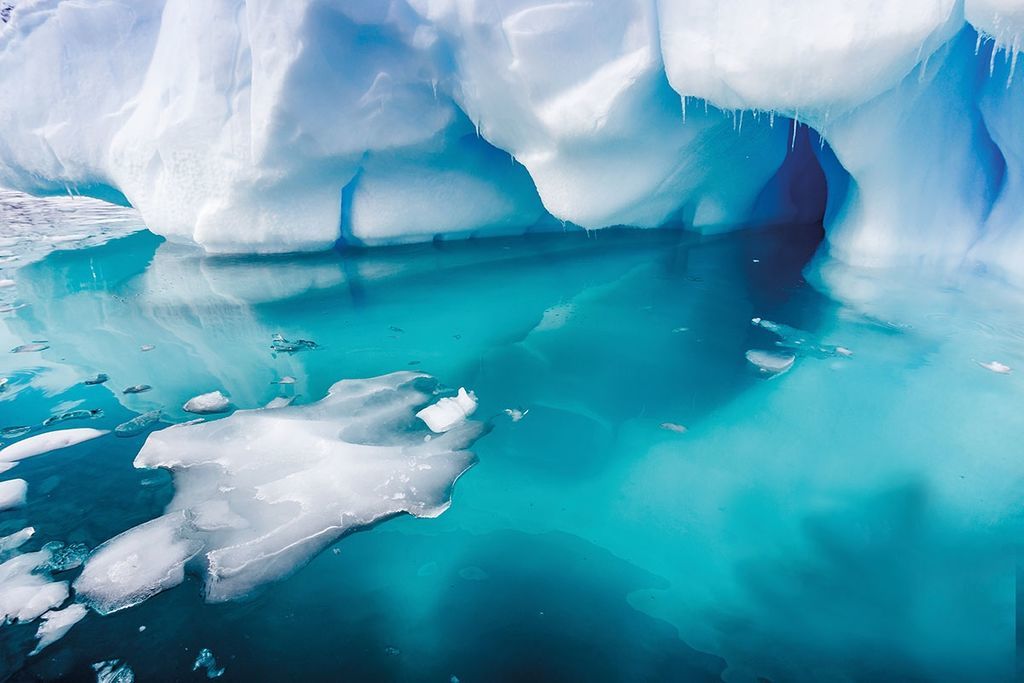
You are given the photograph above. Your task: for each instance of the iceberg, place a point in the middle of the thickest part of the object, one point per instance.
(260, 492)
(231, 125)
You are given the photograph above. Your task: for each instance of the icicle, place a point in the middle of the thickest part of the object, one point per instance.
(739, 129)
(684, 108)
(771, 119)
(792, 140)
(977, 45)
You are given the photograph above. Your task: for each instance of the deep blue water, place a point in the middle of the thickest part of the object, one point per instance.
(856, 518)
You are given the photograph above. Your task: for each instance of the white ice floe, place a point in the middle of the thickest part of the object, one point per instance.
(49, 441)
(113, 671)
(996, 367)
(26, 593)
(516, 414)
(770, 362)
(13, 493)
(16, 540)
(205, 404)
(260, 492)
(449, 411)
(56, 624)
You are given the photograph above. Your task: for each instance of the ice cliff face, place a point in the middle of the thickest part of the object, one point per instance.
(252, 125)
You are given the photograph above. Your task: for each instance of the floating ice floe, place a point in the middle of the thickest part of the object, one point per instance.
(279, 402)
(262, 491)
(13, 493)
(113, 671)
(25, 592)
(285, 380)
(3, 383)
(996, 367)
(449, 411)
(673, 427)
(206, 660)
(205, 404)
(137, 424)
(6, 282)
(770, 362)
(147, 347)
(56, 624)
(98, 379)
(16, 540)
(799, 341)
(136, 389)
(73, 415)
(15, 431)
(30, 348)
(49, 441)
(515, 413)
(279, 343)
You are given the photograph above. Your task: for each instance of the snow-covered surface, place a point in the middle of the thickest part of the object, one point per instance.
(260, 492)
(269, 127)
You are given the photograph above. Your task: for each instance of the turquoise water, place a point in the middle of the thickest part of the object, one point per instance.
(663, 511)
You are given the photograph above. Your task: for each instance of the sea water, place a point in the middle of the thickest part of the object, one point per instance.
(648, 504)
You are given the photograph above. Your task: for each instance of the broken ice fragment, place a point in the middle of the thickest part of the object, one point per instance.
(113, 671)
(64, 557)
(16, 540)
(146, 347)
(770, 362)
(3, 383)
(260, 492)
(15, 431)
(673, 427)
(6, 282)
(279, 343)
(73, 415)
(206, 661)
(205, 404)
(279, 402)
(50, 441)
(449, 411)
(284, 380)
(137, 424)
(56, 624)
(98, 379)
(516, 414)
(137, 389)
(996, 367)
(29, 348)
(13, 493)
(25, 593)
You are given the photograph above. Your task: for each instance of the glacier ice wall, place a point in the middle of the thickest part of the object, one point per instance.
(259, 126)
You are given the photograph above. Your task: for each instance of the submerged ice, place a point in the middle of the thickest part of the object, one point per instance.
(262, 491)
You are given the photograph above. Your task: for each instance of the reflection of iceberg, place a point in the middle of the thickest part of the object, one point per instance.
(262, 491)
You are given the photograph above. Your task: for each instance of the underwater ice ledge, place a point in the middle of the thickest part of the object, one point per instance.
(255, 146)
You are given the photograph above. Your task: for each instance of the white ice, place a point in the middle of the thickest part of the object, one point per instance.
(56, 624)
(13, 493)
(449, 411)
(48, 441)
(204, 404)
(26, 594)
(260, 492)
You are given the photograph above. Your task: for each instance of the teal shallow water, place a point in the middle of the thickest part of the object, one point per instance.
(856, 518)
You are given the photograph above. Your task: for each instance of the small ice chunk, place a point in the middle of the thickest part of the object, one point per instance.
(25, 594)
(279, 402)
(6, 282)
(73, 415)
(15, 431)
(98, 379)
(113, 671)
(205, 404)
(64, 557)
(449, 411)
(996, 367)
(50, 441)
(770, 362)
(3, 383)
(137, 424)
(16, 540)
(146, 347)
(673, 427)
(287, 379)
(137, 389)
(30, 348)
(206, 661)
(56, 624)
(137, 564)
(516, 414)
(13, 493)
